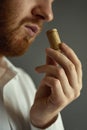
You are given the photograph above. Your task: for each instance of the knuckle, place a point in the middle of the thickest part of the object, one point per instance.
(76, 94)
(56, 82)
(59, 70)
(71, 96)
(71, 67)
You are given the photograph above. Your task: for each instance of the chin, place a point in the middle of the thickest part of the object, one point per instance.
(15, 44)
(16, 47)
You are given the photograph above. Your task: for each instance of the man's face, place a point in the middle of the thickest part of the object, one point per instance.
(20, 22)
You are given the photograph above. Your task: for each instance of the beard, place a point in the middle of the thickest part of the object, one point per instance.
(14, 39)
(14, 43)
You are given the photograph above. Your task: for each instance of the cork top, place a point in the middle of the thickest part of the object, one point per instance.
(53, 38)
(51, 30)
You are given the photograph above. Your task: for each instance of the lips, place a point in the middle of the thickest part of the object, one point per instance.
(32, 30)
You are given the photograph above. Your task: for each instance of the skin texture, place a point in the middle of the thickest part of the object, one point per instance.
(14, 16)
(62, 82)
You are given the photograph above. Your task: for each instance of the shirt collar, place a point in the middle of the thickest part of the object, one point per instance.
(8, 71)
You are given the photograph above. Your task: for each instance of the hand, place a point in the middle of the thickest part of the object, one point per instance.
(59, 87)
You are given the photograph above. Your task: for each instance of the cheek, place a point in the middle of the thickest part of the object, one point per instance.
(11, 13)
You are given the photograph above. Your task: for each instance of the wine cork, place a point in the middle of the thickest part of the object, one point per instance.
(53, 38)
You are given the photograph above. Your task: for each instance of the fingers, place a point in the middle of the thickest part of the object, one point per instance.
(66, 66)
(50, 61)
(72, 56)
(63, 80)
(68, 61)
(58, 73)
(59, 96)
(56, 89)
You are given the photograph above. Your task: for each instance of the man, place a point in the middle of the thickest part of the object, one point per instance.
(20, 22)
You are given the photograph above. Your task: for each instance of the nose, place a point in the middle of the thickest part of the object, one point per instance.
(43, 11)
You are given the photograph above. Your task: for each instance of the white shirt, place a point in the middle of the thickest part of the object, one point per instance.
(18, 91)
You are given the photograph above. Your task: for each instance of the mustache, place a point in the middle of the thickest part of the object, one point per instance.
(31, 21)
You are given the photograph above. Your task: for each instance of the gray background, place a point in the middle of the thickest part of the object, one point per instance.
(70, 17)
